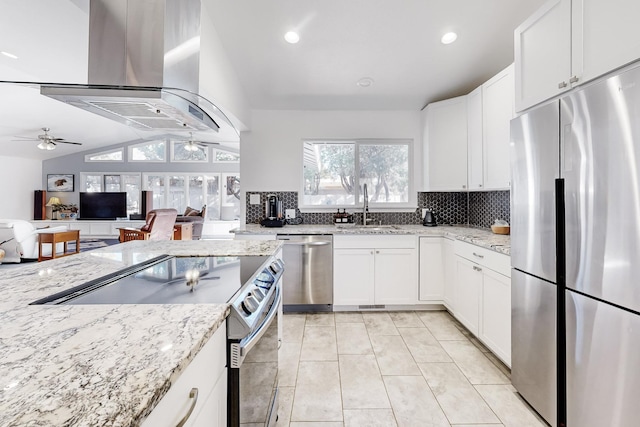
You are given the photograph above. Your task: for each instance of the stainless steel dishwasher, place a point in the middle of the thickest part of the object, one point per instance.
(308, 275)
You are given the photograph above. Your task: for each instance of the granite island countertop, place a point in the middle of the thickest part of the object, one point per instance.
(482, 237)
(94, 365)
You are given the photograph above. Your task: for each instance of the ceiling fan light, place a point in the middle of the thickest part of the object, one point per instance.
(51, 146)
(42, 145)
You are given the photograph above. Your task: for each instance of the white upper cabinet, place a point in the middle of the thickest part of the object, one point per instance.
(543, 54)
(606, 37)
(445, 145)
(497, 112)
(570, 42)
(474, 139)
(489, 112)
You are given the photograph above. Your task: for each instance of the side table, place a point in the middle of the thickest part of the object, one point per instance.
(183, 231)
(54, 239)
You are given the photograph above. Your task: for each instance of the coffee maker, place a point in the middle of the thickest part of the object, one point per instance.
(273, 212)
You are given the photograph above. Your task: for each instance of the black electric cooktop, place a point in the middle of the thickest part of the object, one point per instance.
(166, 280)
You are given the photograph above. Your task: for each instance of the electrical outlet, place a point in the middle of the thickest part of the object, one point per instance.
(289, 213)
(424, 212)
(254, 199)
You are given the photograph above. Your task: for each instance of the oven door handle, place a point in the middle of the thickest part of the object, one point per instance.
(245, 347)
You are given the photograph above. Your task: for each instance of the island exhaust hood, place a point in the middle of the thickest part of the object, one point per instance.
(144, 67)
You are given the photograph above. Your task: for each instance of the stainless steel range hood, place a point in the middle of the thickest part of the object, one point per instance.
(144, 67)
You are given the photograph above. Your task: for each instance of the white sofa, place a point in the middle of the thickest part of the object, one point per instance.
(19, 239)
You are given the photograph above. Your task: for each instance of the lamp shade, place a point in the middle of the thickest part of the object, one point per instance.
(53, 201)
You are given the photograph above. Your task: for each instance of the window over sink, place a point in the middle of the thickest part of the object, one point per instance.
(334, 172)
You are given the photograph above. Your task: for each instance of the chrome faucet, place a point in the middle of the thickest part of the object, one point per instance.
(365, 209)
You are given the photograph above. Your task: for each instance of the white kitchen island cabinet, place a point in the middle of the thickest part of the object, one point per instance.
(570, 42)
(375, 270)
(199, 394)
(483, 296)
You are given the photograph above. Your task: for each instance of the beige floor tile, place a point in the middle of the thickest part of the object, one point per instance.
(317, 396)
(458, 399)
(353, 339)
(348, 317)
(413, 403)
(473, 363)
(288, 358)
(406, 319)
(320, 319)
(285, 404)
(512, 411)
(379, 323)
(498, 363)
(441, 325)
(293, 327)
(362, 386)
(319, 343)
(393, 356)
(316, 424)
(369, 418)
(423, 346)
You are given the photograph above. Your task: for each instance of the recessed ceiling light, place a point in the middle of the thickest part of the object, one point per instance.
(449, 38)
(9, 55)
(292, 37)
(365, 82)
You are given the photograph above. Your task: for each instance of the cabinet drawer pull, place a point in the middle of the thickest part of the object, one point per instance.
(377, 252)
(478, 255)
(574, 79)
(193, 394)
(477, 268)
(562, 85)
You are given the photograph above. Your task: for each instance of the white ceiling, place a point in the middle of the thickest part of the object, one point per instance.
(396, 43)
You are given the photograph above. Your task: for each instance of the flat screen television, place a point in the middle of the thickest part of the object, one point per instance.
(105, 206)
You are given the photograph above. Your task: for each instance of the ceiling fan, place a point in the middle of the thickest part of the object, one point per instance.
(48, 142)
(192, 145)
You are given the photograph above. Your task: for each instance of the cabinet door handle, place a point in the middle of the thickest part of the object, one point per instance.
(371, 252)
(464, 186)
(574, 79)
(480, 185)
(377, 252)
(562, 85)
(477, 268)
(193, 394)
(478, 255)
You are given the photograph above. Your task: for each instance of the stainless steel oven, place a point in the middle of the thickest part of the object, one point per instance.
(253, 337)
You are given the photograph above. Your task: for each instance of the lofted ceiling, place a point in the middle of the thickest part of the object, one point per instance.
(395, 43)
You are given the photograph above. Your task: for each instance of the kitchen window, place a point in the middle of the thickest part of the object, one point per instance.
(153, 151)
(106, 156)
(335, 171)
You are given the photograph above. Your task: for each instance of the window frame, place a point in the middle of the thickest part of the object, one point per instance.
(130, 149)
(88, 159)
(408, 206)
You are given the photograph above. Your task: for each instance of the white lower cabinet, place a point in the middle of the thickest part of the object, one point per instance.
(375, 270)
(432, 269)
(449, 256)
(468, 287)
(495, 324)
(483, 296)
(207, 376)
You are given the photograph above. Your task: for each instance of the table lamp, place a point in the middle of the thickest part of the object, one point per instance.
(53, 201)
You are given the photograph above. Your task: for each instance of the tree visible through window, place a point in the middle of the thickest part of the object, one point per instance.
(335, 171)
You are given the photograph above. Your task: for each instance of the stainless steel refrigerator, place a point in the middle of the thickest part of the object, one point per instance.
(576, 199)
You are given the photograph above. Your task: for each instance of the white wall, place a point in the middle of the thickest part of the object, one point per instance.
(19, 177)
(271, 152)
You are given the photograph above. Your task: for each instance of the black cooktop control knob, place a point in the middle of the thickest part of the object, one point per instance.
(249, 304)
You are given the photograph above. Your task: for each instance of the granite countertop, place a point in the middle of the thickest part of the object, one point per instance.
(98, 364)
(482, 237)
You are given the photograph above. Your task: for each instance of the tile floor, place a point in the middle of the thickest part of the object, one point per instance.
(417, 369)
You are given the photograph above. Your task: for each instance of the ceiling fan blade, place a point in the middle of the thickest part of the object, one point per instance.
(66, 142)
(206, 143)
(57, 139)
(23, 140)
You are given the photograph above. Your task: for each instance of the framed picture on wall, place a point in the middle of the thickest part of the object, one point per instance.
(60, 182)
